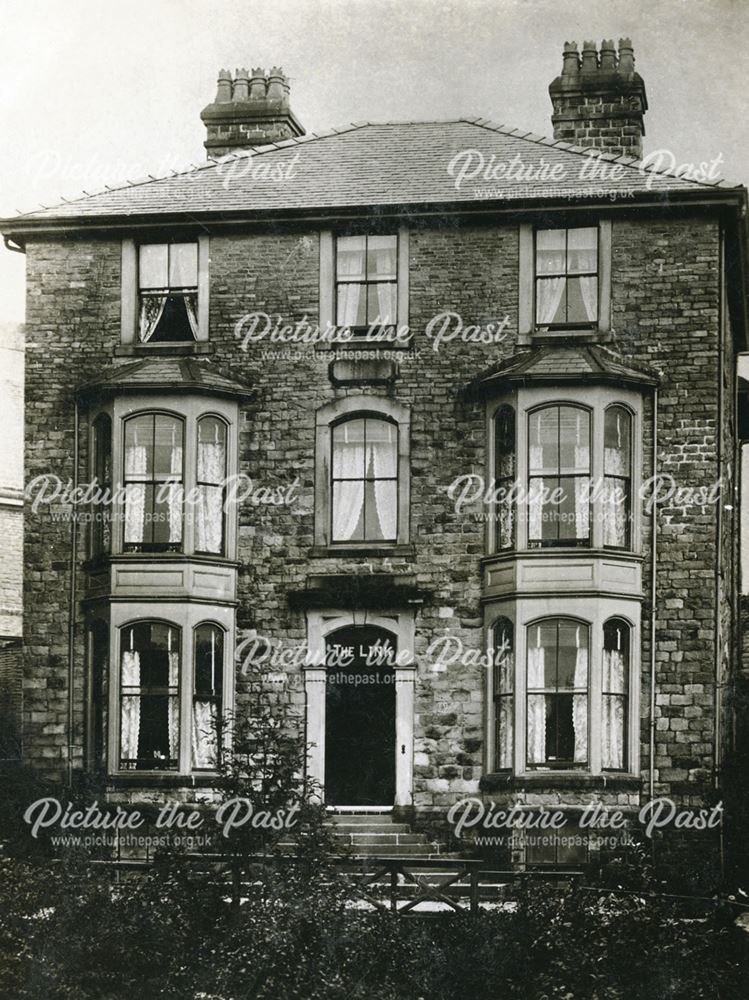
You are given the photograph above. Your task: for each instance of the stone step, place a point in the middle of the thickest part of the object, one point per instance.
(380, 840)
(360, 819)
(342, 828)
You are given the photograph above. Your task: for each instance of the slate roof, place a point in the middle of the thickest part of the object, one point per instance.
(369, 164)
(165, 375)
(567, 363)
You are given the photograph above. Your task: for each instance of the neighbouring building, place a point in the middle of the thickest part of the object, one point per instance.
(11, 531)
(521, 499)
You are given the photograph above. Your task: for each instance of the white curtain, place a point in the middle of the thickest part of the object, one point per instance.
(175, 492)
(505, 664)
(350, 263)
(382, 461)
(614, 503)
(589, 291)
(348, 464)
(191, 308)
(130, 723)
(548, 296)
(173, 721)
(203, 732)
(612, 751)
(209, 513)
(535, 505)
(580, 702)
(536, 704)
(135, 493)
(151, 311)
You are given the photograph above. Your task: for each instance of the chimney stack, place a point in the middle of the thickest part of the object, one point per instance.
(599, 101)
(250, 109)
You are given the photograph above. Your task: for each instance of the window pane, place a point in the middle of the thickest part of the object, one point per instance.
(154, 265)
(211, 450)
(504, 732)
(615, 679)
(348, 511)
(582, 300)
(582, 250)
(206, 721)
(617, 430)
(209, 519)
(352, 305)
(381, 512)
(550, 251)
(350, 257)
(183, 265)
(348, 450)
(382, 304)
(382, 449)
(574, 440)
(551, 301)
(557, 722)
(167, 458)
(503, 658)
(149, 719)
(543, 436)
(139, 447)
(381, 257)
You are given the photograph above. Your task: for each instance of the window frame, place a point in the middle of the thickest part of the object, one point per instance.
(551, 328)
(328, 289)
(130, 297)
(528, 332)
(528, 611)
(597, 400)
(187, 618)
(198, 483)
(190, 408)
(326, 418)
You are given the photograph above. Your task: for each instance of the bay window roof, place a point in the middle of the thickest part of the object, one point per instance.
(164, 375)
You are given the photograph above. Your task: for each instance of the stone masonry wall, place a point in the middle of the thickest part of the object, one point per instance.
(665, 313)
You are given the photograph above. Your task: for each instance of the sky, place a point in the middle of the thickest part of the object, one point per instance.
(95, 93)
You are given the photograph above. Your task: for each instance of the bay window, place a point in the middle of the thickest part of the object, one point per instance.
(171, 698)
(564, 687)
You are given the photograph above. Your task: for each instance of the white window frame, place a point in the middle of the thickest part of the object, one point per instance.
(190, 408)
(130, 296)
(325, 418)
(328, 285)
(594, 612)
(596, 400)
(186, 617)
(527, 330)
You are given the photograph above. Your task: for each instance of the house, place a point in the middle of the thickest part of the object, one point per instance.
(448, 405)
(11, 528)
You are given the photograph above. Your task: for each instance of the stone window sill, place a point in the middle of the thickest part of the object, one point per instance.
(503, 781)
(370, 551)
(150, 350)
(144, 779)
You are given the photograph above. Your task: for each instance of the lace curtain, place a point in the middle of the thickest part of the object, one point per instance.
(350, 264)
(613, 709)
(350, 463)
(209, 514)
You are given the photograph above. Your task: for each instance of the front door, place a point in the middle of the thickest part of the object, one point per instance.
(360, 717)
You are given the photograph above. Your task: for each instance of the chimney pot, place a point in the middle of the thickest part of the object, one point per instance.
(608, 56)
(257, 85)
(223, 93)
(570, 60)
(590, 58)
(276, 81)
(241, 85)
(626, 57)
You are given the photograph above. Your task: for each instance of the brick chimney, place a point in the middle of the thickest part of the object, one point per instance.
(249, 110)
(599, 101)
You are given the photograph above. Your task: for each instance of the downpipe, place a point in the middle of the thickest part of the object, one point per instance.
(72, 601)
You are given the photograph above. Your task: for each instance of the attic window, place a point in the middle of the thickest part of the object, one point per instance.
(168, 292)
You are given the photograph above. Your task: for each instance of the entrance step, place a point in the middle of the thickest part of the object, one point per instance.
(368, 835)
